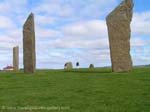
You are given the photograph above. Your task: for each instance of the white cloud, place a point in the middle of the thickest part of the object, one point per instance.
(44, 20)
(141, 23)
(86, 29)
(74, 9)
(139, 42)
(6, 23)
(68, 30)
(46, 32)
(8, 7)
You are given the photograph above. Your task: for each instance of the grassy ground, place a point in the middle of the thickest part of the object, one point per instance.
(83, 90)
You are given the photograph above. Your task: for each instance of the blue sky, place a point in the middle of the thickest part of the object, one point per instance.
(70, 30)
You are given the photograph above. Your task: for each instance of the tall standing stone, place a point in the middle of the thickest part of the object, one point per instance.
(29, 55)
(69, 66)
(118, 23)
(16, 58)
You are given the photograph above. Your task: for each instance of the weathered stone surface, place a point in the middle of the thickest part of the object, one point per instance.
(29, 55)
(118, 23)
(91, 66)
(68, 66)
(16, 58)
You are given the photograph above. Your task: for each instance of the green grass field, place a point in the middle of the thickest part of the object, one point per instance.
(84, 90)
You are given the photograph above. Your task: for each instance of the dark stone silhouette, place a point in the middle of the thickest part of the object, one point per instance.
(68, 66)
(118, 22)
(29, 55)
(16, 58)
(91, 66)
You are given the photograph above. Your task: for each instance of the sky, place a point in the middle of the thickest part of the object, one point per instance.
(70, 30)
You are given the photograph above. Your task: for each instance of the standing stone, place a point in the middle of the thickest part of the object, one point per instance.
(118, 23)
(91, 66)
(68, 66)
(16, 58)
(29, 55)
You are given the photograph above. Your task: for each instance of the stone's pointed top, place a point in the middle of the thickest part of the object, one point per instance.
(129, 3)
(31, 15)
(29, 24)
(125, 11)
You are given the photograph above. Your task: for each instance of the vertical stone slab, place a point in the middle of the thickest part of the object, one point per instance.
(16, 58)
(29, 55)
(69, 66)
(118, 23)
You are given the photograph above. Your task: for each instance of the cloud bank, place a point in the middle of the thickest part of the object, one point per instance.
(69, 30)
